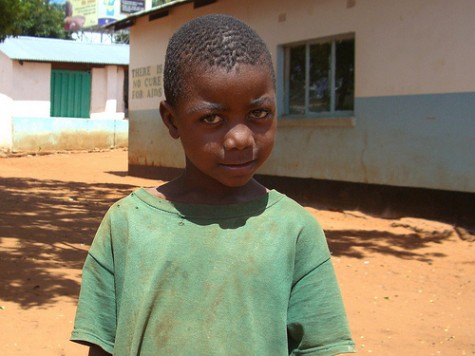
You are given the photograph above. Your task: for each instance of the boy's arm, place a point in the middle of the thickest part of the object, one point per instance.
(316, 320)
(95, 350)
(95, 322)
(317, 323)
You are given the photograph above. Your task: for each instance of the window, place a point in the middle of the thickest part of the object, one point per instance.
(319, 78)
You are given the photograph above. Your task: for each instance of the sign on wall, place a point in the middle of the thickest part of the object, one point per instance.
(146, 82)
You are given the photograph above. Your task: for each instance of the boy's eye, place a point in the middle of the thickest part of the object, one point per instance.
(260, 114)
(212, 119)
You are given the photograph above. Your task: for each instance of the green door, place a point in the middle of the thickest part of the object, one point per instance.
(70, 93)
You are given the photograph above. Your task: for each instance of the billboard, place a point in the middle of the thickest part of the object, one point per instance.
(156, 3)
(108, 11)
(91, 13)
(131, 6)
(80, 13)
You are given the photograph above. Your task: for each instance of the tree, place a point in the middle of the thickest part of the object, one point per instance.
(121, 37)
(37, 18)
(10, 13)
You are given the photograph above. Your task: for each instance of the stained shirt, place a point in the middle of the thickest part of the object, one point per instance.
(254, 278)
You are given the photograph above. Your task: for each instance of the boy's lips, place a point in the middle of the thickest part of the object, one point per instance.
(239, 166)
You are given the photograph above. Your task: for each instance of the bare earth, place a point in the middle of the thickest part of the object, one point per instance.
(408, 284)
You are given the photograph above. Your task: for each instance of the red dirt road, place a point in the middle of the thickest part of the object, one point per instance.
(408, 283)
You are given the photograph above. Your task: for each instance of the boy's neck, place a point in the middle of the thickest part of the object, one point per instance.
(185, 190)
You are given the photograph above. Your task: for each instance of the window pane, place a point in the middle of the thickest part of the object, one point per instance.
(320, 82)
(345, 75)
(297, 80)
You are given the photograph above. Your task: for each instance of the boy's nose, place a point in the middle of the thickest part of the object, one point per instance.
(238, 137)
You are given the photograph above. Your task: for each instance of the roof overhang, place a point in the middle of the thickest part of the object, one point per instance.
(36, 49)
(154, 13)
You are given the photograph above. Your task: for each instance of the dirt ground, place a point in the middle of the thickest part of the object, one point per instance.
(408, 283)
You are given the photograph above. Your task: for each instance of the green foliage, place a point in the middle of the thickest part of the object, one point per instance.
(37, 18)
(10, 12)
(121, 37)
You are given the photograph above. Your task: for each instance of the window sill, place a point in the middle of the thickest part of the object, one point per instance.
(316, 122)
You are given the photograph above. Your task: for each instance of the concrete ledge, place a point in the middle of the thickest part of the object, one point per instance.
(337, 122)
(64, 133)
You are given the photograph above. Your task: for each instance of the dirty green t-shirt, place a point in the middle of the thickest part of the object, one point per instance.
(254, 278)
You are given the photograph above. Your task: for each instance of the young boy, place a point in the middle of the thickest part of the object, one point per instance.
(213, 263)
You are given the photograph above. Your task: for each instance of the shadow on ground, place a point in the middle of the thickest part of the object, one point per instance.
(359, 243)
(387, 202)
(46, 228)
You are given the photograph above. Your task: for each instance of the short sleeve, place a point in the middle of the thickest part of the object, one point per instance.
(95, 321)
(317, 322)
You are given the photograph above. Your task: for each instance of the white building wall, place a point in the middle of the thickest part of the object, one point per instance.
(5, 103)
(119, 89)
(31, 83)
(6, 69)
(98, 89)
(415, 47)
(107, 93)
(25, 122)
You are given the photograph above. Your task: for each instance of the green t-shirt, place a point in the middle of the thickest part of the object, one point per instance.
(255, 278)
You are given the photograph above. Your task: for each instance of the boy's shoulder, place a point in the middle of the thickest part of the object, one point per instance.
(126, 204)
(127, 200)
(291, 208)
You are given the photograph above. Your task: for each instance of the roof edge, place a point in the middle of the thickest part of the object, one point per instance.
(154, 13)
(52, 50)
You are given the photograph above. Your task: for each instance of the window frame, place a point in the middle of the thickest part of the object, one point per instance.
(284, 76)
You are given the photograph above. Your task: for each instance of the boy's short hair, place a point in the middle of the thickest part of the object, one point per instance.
(219, 41)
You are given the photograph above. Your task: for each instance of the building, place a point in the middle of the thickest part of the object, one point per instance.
(62, 95)
(369, 91)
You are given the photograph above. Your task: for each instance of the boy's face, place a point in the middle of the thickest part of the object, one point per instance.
(226, 123)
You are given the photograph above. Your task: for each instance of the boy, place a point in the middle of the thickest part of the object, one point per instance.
(213, 263)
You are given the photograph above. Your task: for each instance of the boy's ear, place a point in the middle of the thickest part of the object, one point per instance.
(168, 118)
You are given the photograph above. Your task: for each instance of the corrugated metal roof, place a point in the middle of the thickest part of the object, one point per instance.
(56, 50)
